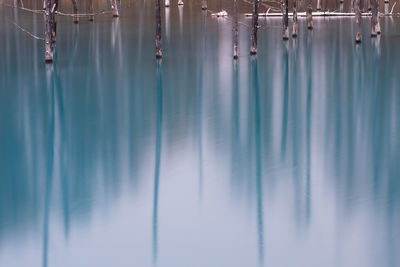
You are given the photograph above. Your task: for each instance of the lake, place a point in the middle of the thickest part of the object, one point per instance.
(109, 157)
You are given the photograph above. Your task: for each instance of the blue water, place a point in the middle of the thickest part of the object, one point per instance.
(110, 158)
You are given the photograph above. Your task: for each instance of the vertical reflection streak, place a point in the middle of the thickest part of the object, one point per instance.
(159, 96)
(257, 126)
(308, 129)
(200, 103)
(285, 107)
(49, 170)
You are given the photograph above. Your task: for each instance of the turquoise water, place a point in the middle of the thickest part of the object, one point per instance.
(110, 158)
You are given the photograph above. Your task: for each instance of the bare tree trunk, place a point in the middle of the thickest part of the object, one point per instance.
(158, 29)
(204, 4)
(54, 8)
(358, 21)
(114, 8)
(180, 2)
(235, 30)
(253, 49)
(309, 14)
(48, 46)
(352, 5)
(167, 3)
(319, 5)
(74, 6)
(386, 6)
(378, 25)
(90, 9)
(374, 18)
(294, 31)
(285, 19)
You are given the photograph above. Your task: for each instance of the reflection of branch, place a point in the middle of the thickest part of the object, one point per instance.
(19, 27)
(25, 9)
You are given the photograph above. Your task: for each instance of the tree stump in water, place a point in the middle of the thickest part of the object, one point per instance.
(294, 29)
(309, 14)
(358, 21)
(235, 30)
(90, 9)
(204, 4)
(374, 18)
(75, 7)
(253, 49)
(285, 19)
(50, 29)
(158, 30)
(114, 8)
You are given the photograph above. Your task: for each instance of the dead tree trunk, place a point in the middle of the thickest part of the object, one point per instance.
(90, 9)
(374, 18)
(294, 31)
(309, 14)
(114, 8)
(158, 29)
(285, 19)
(253, 49)
(378, 25)
(358, 21)
(319, 5)
(48, 45)
(75, 7)
(235, 30)
(54, 9)
(204, 4)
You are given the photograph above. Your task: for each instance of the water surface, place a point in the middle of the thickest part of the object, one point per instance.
(110, 158)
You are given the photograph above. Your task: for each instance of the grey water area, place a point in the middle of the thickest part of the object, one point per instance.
(111, 158)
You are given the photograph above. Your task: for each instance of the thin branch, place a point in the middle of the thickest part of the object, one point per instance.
(22, 29)
(39, 11)
(82, 14)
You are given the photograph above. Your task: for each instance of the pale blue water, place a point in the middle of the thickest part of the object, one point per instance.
(108, 158)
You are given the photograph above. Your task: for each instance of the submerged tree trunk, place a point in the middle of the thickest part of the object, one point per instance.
(253, 49)
(285, 19)
(90, 9)
(309, 14)
(114, 8)
(158, 29)
(75, 7)
(204, 4)
(294, 31)
(235, 30)
(358, 21)
(48, 45)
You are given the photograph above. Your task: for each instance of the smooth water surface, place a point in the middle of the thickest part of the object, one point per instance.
(110, 158)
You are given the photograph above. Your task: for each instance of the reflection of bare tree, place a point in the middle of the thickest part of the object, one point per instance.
(257, 132)
(49, 163)
(158, 158)
(308, 128)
